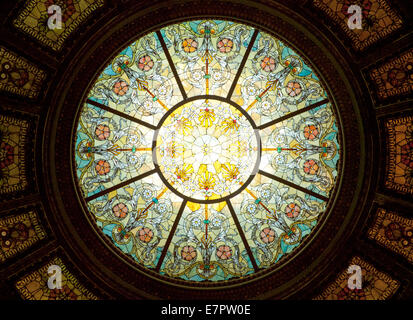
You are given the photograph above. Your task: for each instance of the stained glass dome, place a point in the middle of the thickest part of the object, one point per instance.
(207, 150)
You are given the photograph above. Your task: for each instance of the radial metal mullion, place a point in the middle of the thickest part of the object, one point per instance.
(171, 234)
(171, 64)
(243, 62)
(293, 114)
(242, 235)
(293, 185)
(120, 185)
(121, 114)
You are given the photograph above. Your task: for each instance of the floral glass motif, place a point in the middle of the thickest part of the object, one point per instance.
(207, 150)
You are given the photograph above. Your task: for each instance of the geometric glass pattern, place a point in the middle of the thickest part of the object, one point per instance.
(399, 167)
(393, 232)
(13, 138)
(18, 76)
(207, 150)
(17, 233)
(395, 77)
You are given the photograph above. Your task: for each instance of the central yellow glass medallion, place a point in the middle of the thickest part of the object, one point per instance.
(206, 149)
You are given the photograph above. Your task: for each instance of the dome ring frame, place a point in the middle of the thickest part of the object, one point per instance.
(244, 113)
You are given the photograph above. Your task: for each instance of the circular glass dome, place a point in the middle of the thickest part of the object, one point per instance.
(207, 150)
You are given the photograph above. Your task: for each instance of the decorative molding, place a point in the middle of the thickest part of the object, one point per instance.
(395, 77)
(19, 76)
(376, 285)
(378, 18)
(13, 141)
(17, 158)
(34, 286)
(33, 20)
(18, 233)
(399, 170)
(393, 232)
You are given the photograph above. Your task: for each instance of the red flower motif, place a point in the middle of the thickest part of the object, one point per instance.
(22, 232)
(188, 253)
(145, 63)
(310, 132)
(268, 64)
(120, 88)
(267, 235)
(225, 45)
(102, 167)
(224, 252)
(311, 167)
(102, 132)
(366, 7)
(292, 210)
(293, 88)
(145, 234)
(120, 210)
